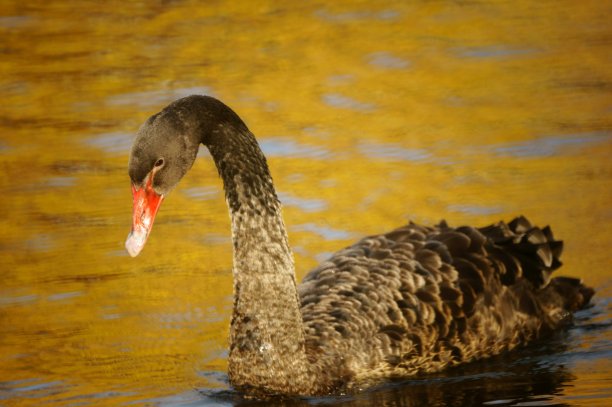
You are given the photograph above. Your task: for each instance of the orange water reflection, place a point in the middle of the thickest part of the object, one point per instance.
(370, 115)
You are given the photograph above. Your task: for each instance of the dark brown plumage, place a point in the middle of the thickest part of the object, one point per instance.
(416, 299)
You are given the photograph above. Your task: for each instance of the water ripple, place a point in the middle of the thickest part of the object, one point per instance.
(114, 143)
(473, 209)
(286, 147)
(385, 59)
(345, 102)
(394, 152)
(202, 193)
(156, 97)
(494, 51)
(305, 204)
(349, 16)
(552, 145)
(326, 232)
(15, 21)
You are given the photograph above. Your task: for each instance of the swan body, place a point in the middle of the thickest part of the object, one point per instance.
(416, 299)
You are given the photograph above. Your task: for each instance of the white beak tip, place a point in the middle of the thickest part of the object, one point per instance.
(135, 242)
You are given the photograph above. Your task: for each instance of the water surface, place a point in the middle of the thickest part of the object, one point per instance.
(370, 115)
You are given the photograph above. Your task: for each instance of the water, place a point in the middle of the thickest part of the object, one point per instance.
(370, 114)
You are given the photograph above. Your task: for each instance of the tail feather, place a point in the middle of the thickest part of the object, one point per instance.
(520, 225)
(520, 249)
(535, 250)
(574, 294)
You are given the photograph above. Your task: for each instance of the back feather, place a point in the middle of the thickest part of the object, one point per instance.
(419, 299)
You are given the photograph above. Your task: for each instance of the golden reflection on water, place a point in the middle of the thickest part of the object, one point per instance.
(370, 115)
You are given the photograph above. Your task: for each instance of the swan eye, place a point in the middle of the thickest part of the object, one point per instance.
(159, 163)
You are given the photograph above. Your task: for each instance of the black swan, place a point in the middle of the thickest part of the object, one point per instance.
(414, 300)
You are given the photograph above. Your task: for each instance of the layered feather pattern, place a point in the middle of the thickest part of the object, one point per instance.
(419, 299)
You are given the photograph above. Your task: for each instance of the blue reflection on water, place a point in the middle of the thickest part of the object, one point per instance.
(286, 147)
(305, 204)
(64, 296)
(5, 299)
(394, 152)
(4, 147)
(494, 51)
(348, 16)
(15, 21)
(113, 143)
(56, 182)
(383, 59)
(473, 209)
(345, 102)
(552, 145)
(326, 232)
(157, 97)
(202, 193)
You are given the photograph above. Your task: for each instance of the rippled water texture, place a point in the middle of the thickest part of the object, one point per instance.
(370, 114)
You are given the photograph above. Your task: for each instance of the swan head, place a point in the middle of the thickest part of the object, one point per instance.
(163, 151)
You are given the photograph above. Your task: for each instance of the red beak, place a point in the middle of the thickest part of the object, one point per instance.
(146, 204)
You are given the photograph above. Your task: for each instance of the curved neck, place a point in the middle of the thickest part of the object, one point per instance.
(267, 347)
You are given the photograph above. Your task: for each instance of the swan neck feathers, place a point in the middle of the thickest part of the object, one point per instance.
(266, 324)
